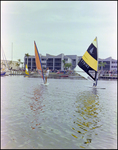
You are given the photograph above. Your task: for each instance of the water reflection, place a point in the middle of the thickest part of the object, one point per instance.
(87, 120)
(36, 106)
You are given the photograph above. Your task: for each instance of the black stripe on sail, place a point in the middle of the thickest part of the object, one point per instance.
(92, 50)
(83, 65)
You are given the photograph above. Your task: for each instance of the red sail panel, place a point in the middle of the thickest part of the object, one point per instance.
(38, 61)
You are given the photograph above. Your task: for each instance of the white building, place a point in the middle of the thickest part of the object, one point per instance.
(56, 62)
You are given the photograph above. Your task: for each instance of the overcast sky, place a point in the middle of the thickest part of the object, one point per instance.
(67, 27)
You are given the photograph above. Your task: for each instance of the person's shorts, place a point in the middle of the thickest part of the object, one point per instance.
(46, 75)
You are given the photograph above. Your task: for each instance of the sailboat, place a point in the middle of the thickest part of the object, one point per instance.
(87, 67)
(38, 62)
(26, 70)
(4, 70)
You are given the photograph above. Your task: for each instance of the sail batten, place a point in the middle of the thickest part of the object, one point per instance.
(38, 61)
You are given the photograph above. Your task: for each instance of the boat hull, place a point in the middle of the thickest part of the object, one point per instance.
(3, 73)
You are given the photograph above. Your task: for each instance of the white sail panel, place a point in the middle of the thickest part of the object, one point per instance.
(82, 73)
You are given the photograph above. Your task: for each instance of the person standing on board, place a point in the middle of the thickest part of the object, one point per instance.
(94, 84)
(47, 74)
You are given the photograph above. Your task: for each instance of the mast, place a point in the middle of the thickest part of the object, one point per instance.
(38, 61)
(97, 62)
(4, 58)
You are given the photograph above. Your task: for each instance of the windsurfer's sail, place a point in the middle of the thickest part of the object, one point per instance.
(89, 62)
(38, 61)
(26, 70)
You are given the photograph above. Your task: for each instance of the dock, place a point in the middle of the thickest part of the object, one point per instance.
(108, 77)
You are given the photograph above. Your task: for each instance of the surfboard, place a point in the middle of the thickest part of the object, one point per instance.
(45, 84)
(95, 87)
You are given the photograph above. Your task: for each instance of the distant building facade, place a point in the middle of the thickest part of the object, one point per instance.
(111, 64)
(56, 62)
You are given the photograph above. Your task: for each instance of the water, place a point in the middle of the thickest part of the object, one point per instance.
(64, 114)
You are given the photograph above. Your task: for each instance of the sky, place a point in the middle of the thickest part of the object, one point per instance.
(67, 27)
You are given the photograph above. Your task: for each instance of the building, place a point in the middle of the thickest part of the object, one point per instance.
(30, 61)
(51, 61)
(74, 60)
(56, 62)
(110, 65)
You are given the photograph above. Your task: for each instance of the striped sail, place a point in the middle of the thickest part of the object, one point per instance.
(26, 70)
(38, 61)
(88, 64)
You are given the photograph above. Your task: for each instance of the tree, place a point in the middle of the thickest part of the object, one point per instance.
(19, 61)
(102, 64)
(27, 55)
(63, 62)
(68, 65)
(22, 64)
(10, 63)
(17, 64)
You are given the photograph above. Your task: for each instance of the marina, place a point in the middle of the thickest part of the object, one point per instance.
(54, 75)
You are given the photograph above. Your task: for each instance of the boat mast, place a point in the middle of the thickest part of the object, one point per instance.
(4, 58)
(97, 63)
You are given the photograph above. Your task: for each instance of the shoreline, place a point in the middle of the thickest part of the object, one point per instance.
(62, 76)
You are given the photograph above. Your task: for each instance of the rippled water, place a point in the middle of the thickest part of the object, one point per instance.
(64, 114)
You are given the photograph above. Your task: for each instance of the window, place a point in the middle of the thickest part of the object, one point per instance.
(43, 59)
(66, 59)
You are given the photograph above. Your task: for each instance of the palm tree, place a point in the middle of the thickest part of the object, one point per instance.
(17, 64)
(19, 61)
(27, 55)
(10, 63)
(22, 64)
(102, 64)
(63, 63)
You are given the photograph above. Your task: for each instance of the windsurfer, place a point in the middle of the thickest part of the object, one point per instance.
(94, 84)
(47, 74)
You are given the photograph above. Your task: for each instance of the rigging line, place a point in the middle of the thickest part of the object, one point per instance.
(4, 58)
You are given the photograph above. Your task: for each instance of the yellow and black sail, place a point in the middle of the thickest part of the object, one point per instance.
(89, 61)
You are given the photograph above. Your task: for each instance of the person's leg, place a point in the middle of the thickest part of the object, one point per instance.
(45, 79)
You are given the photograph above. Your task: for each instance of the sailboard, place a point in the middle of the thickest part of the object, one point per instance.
(38, 62)
(87, 67)
(26, 70)
(45, 83)
(95, 87)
